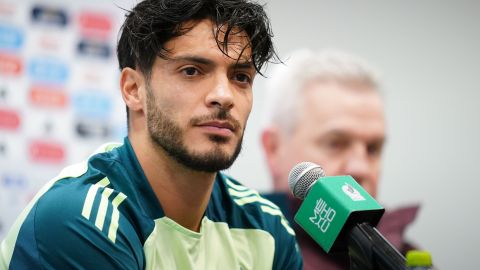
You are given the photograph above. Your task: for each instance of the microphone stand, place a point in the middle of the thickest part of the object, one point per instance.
(369, 250)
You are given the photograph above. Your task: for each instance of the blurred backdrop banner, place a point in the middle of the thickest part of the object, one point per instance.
(59, 96)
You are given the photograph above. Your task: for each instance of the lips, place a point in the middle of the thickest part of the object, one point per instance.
(219, 125)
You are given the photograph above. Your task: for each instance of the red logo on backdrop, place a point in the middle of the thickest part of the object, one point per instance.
(47, 96)
(9, 119)
(7, 9)
(94, 23)
(10, 64)
(41, 151)
(51, 43)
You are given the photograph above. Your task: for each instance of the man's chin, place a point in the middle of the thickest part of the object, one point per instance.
(220, 140)
(212, 152)
(209, 161)
(214, 143)
(218, 156)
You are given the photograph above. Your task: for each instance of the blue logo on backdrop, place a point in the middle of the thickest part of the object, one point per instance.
(48, 70)
(11, 38)
(91, 103)
(13, 181)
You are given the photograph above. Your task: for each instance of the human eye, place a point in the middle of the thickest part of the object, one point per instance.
(190, 71)
(243, 78)
(375, 149)
(336, 144)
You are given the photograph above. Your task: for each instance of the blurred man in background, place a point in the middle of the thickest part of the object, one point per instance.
(326, 108)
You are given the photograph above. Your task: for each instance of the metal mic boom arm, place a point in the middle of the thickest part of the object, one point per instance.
(369, 250)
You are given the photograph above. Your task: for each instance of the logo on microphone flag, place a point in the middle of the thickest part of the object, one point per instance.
(352, 193)
(323, 215)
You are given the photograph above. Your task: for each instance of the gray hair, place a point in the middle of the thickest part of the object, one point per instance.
(284, 87)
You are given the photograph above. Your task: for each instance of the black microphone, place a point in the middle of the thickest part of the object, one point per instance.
(339, 215)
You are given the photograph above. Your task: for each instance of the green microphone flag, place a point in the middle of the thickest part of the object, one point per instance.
(333, 205)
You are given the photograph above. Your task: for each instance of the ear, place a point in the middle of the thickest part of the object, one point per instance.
(271, 142)
(131, 85)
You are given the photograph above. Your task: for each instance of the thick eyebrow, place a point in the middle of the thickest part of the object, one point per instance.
(208, 62)
(243, 65)
(335, 133)
(194, 59)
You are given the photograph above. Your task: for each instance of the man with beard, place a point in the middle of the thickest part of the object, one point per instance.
(158, 201)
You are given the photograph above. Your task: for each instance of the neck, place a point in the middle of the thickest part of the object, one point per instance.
(183, 193)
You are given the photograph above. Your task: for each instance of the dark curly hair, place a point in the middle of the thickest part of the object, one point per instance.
(154, 22)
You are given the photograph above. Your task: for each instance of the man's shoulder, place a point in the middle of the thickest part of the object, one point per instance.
(76, 187)
(77, 221)
(81, 198)
(255, 210)
(77, 213)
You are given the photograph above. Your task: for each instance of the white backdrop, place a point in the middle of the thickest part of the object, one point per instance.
(427, 52)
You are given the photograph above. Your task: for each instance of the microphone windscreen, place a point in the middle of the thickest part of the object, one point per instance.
(302, 176)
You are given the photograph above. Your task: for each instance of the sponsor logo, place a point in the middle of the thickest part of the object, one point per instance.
(352, 193)
(95, 23)
(48, 70)
(11, 38)
(91, 103)
(10, 64)
(49, 15)
(9, 181)
(323, 215)
(93, 75)
(7, 9)
(9, 119)
(90, 129)
(93, 48)
(47, 96)
(42, 151)
(52, 43)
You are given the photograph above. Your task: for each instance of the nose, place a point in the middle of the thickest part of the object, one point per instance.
(221, 94)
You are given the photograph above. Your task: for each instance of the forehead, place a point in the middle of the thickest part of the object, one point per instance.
(206, 37)
(348, 107)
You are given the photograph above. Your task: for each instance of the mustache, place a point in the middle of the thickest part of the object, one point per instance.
(220, 115)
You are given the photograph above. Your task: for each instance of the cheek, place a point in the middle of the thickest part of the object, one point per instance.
(294, 152)
(332, 165)
(316, 153)
(242, 110)
(370, 188)
(374, 179)
(179, 107)
(246, 104)
(370, 182)
(285, 155)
